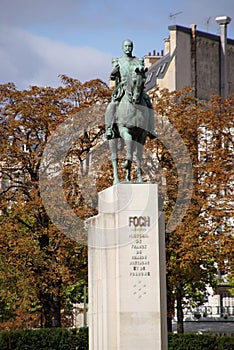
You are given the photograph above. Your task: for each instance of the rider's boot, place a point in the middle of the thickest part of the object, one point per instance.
(152, 135)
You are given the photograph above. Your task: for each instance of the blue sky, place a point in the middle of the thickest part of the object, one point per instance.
(40, 39)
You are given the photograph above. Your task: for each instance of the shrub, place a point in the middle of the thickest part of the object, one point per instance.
(191, 342)
(225, 343)
(77, 339)
(199, 342)
(45, 339)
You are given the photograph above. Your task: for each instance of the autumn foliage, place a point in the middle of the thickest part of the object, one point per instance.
(39, 265)
(42, 270)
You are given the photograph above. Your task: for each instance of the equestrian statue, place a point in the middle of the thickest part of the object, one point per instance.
(129, 116)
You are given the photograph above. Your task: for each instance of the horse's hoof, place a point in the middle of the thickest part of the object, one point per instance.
(109, 136)
(127, 164)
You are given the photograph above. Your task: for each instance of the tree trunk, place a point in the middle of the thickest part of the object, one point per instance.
(179, 309)
(56, 311)
(169, 324)
(51, 302)
(51, 311)
(170, 307)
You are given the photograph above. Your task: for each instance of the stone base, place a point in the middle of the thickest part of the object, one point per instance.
(127, 275)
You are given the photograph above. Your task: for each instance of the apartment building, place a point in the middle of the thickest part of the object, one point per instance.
(194, 58)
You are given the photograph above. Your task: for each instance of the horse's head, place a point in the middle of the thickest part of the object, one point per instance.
(135, 84)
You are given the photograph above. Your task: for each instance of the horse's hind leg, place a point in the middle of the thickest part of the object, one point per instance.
(128, 166)
(114, 159)
(115, 171)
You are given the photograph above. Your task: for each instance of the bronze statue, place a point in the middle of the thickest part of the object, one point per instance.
(130, 114)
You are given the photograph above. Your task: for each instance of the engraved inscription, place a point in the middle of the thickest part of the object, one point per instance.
(139, 221)
(139, 262)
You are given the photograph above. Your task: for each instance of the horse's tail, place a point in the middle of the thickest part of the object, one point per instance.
(120, 144)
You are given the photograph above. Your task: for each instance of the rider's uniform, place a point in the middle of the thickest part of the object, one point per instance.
(121, 67)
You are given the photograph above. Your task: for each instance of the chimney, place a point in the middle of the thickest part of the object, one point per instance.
(167, 46)
(223, 21)
(193, 28)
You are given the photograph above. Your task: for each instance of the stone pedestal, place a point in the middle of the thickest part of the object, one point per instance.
(127, 278)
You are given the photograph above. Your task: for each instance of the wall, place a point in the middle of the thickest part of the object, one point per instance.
(194, 61)
(169, 81)
(230, 66)
(207, 60)
(183, 59)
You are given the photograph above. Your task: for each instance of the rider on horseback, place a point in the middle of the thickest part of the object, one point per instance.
(119, 74)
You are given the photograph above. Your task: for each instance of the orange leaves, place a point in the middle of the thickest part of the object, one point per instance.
(35, 258)
(203, 238)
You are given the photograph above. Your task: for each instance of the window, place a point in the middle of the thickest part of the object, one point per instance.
(163, 67)
(148, 78)
(158, 71)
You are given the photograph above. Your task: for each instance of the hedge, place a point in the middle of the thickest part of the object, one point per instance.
(74, 339)
(45, 339)
(199, 342)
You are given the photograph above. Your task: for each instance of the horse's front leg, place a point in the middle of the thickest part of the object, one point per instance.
(125, 134)
(129, 155)
(139, 153)
(114, 158)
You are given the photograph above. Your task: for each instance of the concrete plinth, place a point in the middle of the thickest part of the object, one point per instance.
(127, 278)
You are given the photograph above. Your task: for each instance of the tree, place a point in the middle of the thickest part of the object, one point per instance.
(192, 240)
(40, 265)
(197, 245)
(37, 262)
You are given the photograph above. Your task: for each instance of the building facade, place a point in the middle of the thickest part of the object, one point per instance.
(193, 58)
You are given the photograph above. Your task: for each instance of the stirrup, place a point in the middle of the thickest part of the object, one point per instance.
(109, 134)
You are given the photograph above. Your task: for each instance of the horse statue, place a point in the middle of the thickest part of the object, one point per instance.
(132, 123)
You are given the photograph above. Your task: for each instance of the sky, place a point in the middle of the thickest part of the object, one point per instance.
(42, 39)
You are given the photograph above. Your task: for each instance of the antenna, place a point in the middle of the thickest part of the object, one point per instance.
(207, 23)
(173, 16)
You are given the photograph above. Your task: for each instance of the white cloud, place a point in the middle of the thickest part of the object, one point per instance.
(36, 42)
(27, 59)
